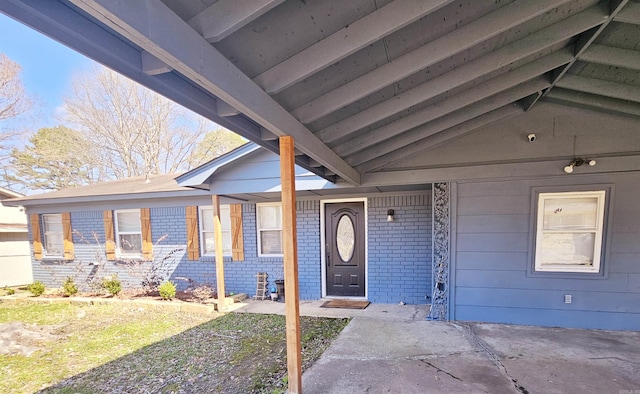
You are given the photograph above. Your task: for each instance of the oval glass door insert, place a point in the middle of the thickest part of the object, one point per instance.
(345, 238)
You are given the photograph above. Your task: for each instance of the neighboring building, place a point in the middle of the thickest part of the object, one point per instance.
(15, 258)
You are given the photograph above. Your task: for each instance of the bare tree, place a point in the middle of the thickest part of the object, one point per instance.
(132, 130)
(13, 99)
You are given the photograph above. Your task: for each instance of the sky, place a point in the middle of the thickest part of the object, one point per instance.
(47, 67)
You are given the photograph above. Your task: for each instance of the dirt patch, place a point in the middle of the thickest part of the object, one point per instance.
(25, 339)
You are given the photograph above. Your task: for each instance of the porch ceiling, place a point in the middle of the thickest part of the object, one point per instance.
(359, 84)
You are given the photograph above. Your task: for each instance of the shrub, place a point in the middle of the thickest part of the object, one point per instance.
(167, 290)
(202, 293)
(36, 288)
(9, 290)
(69, 287)
(112, 285)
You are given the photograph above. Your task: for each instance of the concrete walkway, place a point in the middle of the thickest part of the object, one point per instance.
(393, 349)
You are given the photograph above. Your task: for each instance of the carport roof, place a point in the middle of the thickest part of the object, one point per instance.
(360, 84)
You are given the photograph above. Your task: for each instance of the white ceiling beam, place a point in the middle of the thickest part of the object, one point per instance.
(601, 87)
(454, 103)
(446, 135)
(524, 169)
(466, 73)
(629, 14)
(612, 56)
(227, 16)
(586, 39)
(146, 25)
(411, 137)
(467, 36)
(151, 65)
(590, 101)
(225, 109)
(344, 42)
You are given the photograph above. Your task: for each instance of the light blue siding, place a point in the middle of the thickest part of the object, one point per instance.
(493, 253)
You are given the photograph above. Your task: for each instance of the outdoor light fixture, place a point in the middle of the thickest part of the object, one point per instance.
(390, 214)
(577, 162)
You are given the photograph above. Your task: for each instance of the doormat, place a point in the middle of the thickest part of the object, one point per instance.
(346, 304)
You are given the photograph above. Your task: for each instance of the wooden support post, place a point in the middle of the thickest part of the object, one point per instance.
(217, 234)
(290, 249)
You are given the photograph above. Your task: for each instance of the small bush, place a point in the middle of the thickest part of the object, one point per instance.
(112, 285)
(9, 291)
(36, 288)
(69, 287)
(202, 293)
(167, 290)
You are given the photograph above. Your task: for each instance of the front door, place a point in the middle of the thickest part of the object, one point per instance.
(345, 249)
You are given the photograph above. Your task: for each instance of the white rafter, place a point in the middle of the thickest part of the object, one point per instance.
(454, 103)
(361, 160)
(502, 58)
(227, 16)
(434, 140)
(437, 50)
(586, 100)
(346, 41)
(629, 14)
(611, 56)
(146, 24)
(601, 87)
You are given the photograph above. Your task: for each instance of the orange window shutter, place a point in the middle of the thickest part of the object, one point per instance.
(109, 238)
(193, 246)
(147, 244)
(68, 236)
(237, 242)
(37, 237)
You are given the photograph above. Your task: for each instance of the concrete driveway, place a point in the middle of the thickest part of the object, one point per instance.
(377, 355)
(393, 349)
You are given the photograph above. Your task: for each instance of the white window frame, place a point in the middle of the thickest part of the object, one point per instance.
(225, 212)
(598, 232)
(46, 234)
(121, 252)
(259, 230)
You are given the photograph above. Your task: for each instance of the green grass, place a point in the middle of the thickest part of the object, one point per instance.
(114, 349)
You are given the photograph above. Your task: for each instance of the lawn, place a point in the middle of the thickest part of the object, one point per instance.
(112, 349)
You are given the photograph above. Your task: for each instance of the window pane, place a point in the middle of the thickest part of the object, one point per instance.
(570, 213)
(269, 217)
(54, 243)
(567, 249)
(52, 223)
(225, 217)
(207, 219)
(226, 242)
(209, 243)
(131, 243)
(129, 221)
(271, 242)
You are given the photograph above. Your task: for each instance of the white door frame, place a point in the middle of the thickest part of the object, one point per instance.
(323, 254)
